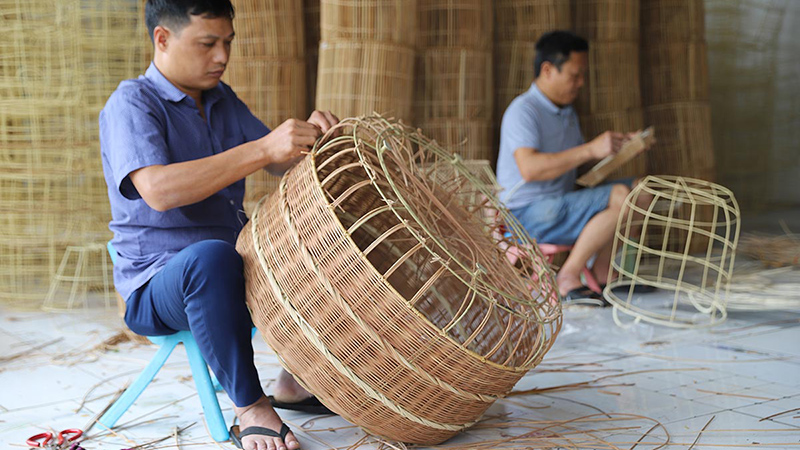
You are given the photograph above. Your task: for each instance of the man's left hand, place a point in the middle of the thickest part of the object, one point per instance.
(325, 120)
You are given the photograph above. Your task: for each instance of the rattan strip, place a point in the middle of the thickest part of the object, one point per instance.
(388, 21)
(718, 248)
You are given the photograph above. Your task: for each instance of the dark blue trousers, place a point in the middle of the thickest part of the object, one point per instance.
(201, 289)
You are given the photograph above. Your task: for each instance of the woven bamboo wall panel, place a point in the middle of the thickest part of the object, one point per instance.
(472, 139)
(612, 82)
(269, 28)
(513, 71)
(391, 21)
(454, 83)
(673, 21)
(455, 23)
(365, 285)
(356, 78)
(607, 20)
(675, 73)
(622, 121)
(527, 20)
(684, 139)
(311, 18)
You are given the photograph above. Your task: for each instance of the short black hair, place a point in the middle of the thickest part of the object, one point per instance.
(555, 46)
(176, 14)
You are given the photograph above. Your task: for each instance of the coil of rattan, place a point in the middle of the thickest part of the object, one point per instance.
(379, 273)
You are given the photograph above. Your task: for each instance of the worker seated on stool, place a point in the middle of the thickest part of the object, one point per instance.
(541, 147)
(176, 146)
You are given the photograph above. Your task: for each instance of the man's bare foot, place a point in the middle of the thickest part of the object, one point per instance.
(288, 390)
(567, 282)
(261, 414)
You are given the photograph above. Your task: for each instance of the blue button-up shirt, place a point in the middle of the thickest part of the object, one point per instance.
(532, 120)
(148, 121)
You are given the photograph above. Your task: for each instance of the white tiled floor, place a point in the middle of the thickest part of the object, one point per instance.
(738, 374)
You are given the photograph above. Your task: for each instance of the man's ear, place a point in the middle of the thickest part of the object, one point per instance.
(161, 37)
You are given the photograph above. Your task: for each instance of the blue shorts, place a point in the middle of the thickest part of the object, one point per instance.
(559, 219)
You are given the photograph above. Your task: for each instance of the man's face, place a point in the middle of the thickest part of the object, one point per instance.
(196, 56)
(566, 83)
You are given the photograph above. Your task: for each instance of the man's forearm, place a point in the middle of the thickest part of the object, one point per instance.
(170, 186)
(538, 166)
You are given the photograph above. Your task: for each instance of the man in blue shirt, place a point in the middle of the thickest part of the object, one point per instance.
(540, 148)
(176, 145)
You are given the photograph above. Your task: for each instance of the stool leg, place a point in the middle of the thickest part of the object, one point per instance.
(130, 395)
(205, 389)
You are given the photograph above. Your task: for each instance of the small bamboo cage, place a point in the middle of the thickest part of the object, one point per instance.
(664, 220)
(623, 121)
(607, 20)
(612, 83)
(377, 272)
(268, 71)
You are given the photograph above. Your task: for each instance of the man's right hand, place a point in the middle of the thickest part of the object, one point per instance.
(289, 141)
(607, 144)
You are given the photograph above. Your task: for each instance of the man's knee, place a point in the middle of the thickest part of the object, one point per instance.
(214, 257)
(617, 197)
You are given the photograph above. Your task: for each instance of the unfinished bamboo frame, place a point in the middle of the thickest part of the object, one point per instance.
(388, 21)
(654, 247)
(459, 24)
(612, 83)
(356, 78)
(607, 20)
(394, 302)
(82, 268)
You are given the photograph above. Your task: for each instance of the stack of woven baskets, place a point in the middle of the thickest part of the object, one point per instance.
(611, 98)
(379, 273)
(454, 92)
(268, 71)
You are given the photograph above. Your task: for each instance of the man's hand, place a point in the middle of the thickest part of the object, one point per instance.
(289, 141)
(607, 144)
(323, 119)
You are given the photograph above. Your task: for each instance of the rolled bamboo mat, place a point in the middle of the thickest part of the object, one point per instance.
(386, 290)
(454, 84)
(471, 139)
(612, 82)
(684, 145)
(388, 21)
(672, 21)
(623, 121)
(674, 72)
(513, 71)
(455, 24)
(607, 20)
(527, 20)
(269, 28)
(356, 78)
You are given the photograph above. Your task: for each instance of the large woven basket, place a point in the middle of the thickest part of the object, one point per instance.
(379, 274)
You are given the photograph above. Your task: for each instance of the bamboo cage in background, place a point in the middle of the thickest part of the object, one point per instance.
(60, 63)
(385, 288)
(267, 70)
(454, 90)
(366, 57)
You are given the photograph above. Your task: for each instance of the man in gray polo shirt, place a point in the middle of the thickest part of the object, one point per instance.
(541, 146)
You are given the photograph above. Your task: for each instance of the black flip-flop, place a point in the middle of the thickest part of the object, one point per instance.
(638, 289)
(310, 405)
(236, 436)
(585, 297)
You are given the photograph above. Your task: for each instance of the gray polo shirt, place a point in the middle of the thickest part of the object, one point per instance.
(533, 121)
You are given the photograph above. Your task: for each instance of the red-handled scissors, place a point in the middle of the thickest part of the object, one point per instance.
(42, 440)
